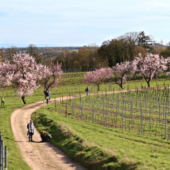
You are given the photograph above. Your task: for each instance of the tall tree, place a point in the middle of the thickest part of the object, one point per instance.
(139, 49)
(106, 51)
(49, 76)
(166, 51)
(31, 49)
(10, 52)
(98, 76)
(25, 74)
(122, 48)
(145, 40)
(121, 71)
(150, 66)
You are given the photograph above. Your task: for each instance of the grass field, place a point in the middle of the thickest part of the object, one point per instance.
(97, 147)
(68, 87)
(142, 112)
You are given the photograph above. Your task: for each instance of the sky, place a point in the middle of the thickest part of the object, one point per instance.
(55, 23)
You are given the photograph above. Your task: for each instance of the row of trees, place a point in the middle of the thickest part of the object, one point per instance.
(25, 74)
(149, 66)
(32, 50)
(117, 50)
(82, 59)
(125, 48)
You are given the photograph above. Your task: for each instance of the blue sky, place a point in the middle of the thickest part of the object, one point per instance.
(79, 23)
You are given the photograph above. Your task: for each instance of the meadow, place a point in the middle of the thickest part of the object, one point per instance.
(111, 137)
(74, 86)
(145, 112)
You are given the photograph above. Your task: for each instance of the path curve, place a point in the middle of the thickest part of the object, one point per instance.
(41, 156)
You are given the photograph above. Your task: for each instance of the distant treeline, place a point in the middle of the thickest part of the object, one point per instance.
(117, 50)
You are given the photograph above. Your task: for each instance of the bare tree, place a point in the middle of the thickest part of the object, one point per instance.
(10, 53)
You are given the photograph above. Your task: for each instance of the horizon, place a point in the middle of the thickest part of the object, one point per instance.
(39, 46)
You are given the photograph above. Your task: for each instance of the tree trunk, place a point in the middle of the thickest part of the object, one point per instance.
(121, 86)
(148, 83)
(98, 88)
(23, 99)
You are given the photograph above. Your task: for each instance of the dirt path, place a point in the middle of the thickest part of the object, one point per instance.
(40, 156)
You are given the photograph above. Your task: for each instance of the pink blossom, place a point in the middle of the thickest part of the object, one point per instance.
(120, 72)
(26, 75)
(98, 76)
(150, 66)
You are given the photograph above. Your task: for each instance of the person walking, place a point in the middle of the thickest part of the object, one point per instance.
(30, 127)
(45, 93)
(87, 91)
(49, 94)
(47, 98)
(2, 101)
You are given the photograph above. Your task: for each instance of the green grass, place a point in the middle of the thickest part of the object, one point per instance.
(113, 148)
(69, 87)
(15, 160)
(108, 109)
(92, 145)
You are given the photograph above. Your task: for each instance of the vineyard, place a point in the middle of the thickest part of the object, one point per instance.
(145, 111)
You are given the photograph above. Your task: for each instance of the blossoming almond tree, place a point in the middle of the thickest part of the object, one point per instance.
(24, 74)
(168, 63)
(149, 66)
(49, 75)
(121, 71)
(21, 74)
(98, 76)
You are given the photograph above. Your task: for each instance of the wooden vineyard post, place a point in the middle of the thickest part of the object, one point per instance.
(103, 108)
(100, 106)
(82, 112)
(112, 109)
(136, 100)
(150, 120)
(125, 115)
(165, 124)
(60, 105)
(106, 116)
(97, 102)
(163, 110)
(55, 103)
(89, 102)
(93, 111)
(44, 107)
(122, 118)
(80, 98)
(131, 113)
(159, 113)
(98, 119)
(134, 126)
(66, 108)
(72, 109)
(141, 119)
